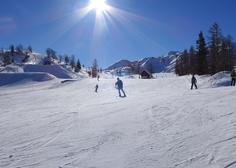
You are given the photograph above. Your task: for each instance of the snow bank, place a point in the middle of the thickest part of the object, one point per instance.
(220, 79)
(17, 78)
(55, 70)
(11, 68)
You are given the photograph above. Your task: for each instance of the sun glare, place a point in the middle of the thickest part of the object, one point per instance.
(99, 5)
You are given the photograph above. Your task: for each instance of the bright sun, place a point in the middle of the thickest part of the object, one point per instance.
(99, 5)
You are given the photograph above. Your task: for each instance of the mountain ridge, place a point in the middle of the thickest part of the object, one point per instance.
(155, 64)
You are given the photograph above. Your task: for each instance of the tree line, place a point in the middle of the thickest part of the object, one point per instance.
(7, 56)
(53, 58)
(208, 57)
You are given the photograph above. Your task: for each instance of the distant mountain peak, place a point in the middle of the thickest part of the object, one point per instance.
(152, 64)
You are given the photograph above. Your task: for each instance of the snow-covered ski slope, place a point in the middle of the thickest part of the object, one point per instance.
(161, 124)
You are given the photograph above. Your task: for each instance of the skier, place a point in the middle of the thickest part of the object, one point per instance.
(194, 82)
(98, 77)
(96, 88)
(119, 86)
(233, 76)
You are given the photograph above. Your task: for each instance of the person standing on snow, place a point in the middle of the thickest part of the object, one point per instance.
(96, 88)
(233, 78)
(119, 86)
(194, 82)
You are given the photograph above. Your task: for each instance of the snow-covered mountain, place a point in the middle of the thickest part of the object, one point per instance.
(153, 64)
(121, 64)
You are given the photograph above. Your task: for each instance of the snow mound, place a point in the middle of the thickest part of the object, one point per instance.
(11, 68)
(19, 78)
(55, 70)
(220, 79)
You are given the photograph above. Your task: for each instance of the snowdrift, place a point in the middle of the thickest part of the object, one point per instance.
(19, 78)
(220, 79)
(11, 68)
(55, 70)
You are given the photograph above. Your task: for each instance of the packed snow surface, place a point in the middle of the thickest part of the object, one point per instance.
(161, 124)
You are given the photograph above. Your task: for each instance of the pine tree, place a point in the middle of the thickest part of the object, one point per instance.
(67, 59)
(231, 53)
(226, 54)
(72, 62)
(78, 66)
(7, 59)
(19, 48)
(186, 66)
(12, 49)
(95, 68)
(95, 64)
(202, 67)
(192, 60)
(30, 49)
(60, 58)
(214, 47)
(51, 53)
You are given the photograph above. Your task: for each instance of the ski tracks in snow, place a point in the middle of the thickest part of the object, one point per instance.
(159, 125)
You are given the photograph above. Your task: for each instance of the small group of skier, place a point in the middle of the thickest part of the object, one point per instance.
(233, 80)
(118, 85)
(96, 87)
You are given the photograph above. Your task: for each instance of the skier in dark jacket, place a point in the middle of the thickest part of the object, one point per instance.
(194, 82)
(233, 78)
(96, 88)
(119, 86)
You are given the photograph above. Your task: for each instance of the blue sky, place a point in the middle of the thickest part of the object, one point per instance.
(135, 29)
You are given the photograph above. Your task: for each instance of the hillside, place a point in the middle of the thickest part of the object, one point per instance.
(162, 123)
(33, 73)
